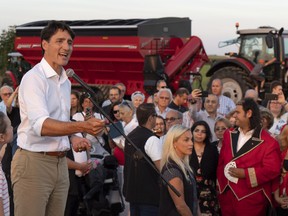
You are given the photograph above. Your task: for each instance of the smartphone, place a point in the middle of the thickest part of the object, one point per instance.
(204, 94)
(88, 113)
(270, 96)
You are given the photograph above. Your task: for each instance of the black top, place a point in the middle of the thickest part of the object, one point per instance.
(141, 181)
(181, 109)
(208, 163)
(167, 206)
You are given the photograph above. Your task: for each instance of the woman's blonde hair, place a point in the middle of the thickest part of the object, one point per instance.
(169, 152)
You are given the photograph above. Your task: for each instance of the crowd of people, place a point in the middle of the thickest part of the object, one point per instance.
(177, 154)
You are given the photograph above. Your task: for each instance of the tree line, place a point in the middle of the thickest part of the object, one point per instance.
(7, 39)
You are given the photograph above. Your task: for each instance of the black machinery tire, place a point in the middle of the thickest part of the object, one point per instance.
(235, 82)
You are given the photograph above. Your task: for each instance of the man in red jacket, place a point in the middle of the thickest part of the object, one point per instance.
(249, 164)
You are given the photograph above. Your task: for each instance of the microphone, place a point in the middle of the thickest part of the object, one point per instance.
(70, 73)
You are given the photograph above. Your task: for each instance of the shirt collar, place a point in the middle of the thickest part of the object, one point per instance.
(50, 72)
(249, 133)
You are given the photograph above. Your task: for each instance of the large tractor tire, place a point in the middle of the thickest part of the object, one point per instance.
(235, 82)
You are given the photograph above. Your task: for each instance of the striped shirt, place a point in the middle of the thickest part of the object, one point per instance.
(4, 192)
(226, 105)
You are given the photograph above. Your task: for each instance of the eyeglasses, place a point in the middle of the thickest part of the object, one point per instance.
(166, 98)
(172, 119)
(200, 131)
(7, 94)
(115, 111)
(220, 129)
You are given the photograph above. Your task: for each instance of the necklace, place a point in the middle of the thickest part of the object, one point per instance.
(200, 155)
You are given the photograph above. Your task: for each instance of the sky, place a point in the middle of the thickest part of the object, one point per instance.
(212, 20)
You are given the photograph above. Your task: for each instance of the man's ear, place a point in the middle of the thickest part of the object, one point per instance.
(44, 44)
(249, 113)
(2, 138)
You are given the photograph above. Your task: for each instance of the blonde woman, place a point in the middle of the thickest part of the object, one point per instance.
(176, 170)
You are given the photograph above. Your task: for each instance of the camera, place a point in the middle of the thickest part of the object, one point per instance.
(269, 96)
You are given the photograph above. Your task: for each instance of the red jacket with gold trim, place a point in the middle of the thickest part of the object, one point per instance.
(260, 157)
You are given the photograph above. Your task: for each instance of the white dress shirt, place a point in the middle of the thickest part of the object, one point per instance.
(43, 94)
(164, 113)
(243, 138)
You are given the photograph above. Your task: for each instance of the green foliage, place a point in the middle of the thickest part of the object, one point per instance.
(7, 38)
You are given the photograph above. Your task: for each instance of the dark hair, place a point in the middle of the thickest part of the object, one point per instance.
(112, 109)
(181, 91)
(274, 84)
(165, 127)
(52, 27)
(250, 104)
(77, 95)
(3, 123)
(84, 96)
(116, 88)
(159, 81)
(144, 111)
(208, 137)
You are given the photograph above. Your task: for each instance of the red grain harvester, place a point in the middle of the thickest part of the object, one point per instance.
(137, 52)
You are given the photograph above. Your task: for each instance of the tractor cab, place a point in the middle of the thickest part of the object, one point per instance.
(253, 44)
(265, 43)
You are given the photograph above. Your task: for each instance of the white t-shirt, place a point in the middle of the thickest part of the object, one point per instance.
(153, 148)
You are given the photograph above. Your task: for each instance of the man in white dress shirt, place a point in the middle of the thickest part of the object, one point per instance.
(39, 167)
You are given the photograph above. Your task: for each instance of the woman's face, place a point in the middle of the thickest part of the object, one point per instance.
(137, 100)
(116, 112)
(126, 114)
(220, 128)
(264, 121)
(275, 106)
(87, 104)
(184, 145)
(159, 126)
(74, 101)
(199, 134)
(7, 137)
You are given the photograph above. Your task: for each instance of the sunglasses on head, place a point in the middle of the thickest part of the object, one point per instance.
(126, 104)
(138, 93)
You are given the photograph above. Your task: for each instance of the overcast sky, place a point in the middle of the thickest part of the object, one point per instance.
(212, 20)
